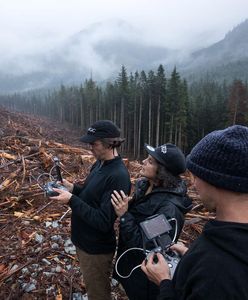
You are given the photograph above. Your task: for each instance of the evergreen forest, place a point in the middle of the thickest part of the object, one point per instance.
(150, 107)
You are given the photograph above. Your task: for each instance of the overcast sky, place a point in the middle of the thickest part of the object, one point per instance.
(175, 22)
(30, 28)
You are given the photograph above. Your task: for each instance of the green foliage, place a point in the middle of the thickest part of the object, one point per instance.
(149, 107)
(238, 103)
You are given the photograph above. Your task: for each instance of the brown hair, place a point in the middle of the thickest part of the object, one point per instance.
(113, 142)
(164, 178)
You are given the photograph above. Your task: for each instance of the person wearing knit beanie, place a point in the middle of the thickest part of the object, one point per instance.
(216, 264)
(221, 159)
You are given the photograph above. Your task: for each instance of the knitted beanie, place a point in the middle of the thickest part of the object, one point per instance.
(221, 159)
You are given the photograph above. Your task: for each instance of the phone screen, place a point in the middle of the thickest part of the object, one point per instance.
(155, 226)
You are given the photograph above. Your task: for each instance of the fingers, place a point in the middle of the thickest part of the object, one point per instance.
(143, 267)
(150, 259)
(124, 196)
(160, 257)
(56, 197)
(67, 184)
(148, 267)
(117, 198)
(179, 248)
(156, 272)
(119, 202)
(63, 197)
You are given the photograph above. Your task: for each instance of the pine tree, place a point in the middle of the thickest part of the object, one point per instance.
(238, 103)
(122, 82)
(161, 104)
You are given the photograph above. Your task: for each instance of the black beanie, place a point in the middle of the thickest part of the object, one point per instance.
(221, 159)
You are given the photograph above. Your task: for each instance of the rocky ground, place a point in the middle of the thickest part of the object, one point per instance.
(37, 258)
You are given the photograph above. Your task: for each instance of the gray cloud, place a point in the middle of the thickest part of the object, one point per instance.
(33, 33)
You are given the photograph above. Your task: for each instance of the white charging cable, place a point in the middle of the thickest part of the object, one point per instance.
(140, 249)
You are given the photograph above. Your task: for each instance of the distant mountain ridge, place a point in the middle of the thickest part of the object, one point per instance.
(233, 46)
(226, 59)
(102, 48)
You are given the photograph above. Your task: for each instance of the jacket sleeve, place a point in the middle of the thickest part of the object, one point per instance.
(130, 230)
(166, 290)
(103, 217)
(77, 189)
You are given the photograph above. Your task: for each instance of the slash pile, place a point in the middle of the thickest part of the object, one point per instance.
(37, 258)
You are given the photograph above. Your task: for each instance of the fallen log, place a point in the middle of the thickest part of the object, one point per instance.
(7, 155)
(190, 215)
(18, 160)
(8, 181)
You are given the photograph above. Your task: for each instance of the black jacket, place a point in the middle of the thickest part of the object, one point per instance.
(92, 213)
(173, 203)
(214, 268)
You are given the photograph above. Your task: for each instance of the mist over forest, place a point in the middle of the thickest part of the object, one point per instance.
(102, 48)
(164, 72)
(155, 94)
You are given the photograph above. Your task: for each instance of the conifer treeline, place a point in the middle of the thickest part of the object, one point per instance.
(148, 107)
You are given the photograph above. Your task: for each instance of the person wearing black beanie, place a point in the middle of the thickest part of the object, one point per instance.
(216, 264)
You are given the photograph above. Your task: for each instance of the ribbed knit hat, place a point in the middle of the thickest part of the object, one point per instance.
(221, 159)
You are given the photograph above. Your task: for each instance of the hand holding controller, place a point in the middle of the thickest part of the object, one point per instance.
(156, 268)
(172, 259)
(49, 188)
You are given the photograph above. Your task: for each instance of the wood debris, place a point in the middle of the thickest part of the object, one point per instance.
(37, 258)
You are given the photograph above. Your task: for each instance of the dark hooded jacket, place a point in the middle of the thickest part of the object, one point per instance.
(173, 203)
(93, 215)
(214, 268)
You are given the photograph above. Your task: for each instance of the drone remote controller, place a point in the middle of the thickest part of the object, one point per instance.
(172, 259)
(48, 188)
